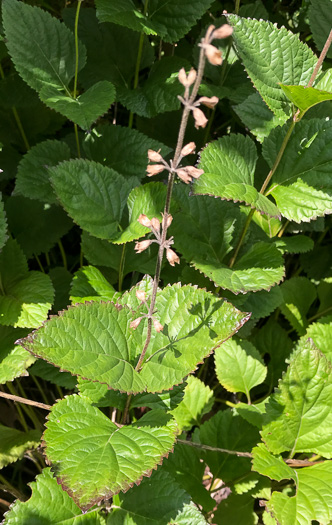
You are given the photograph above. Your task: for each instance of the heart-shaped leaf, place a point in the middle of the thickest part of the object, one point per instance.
(93, 458)
(95, 340)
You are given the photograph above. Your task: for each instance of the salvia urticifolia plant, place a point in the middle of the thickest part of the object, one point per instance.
(165, 272)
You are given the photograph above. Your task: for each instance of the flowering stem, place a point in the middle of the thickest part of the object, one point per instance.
(177, 157)
(298, 115)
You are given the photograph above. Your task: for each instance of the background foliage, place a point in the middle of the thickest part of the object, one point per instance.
(228, 421)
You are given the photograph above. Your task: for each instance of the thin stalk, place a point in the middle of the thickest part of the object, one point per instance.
(19, 399)
(76, 72)
(121, 267)
(29, 411)
(39, 263)
(296, 118)
(41, 390)
(283, 229)
(138, 62)
(171, 176)
(237, 6)
(63, 255)
(7, 487)
(48, 261)
(17, 118)
(215, 449)
(18, 408)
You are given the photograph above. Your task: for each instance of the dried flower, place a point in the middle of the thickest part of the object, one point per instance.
(154, 156)
(141, 296)
(157, 325)
(188, 149)
(144, 220)
(194, 172)
(142, 245)
(222, 32)
(154, 169)
(209, 102)
(169, 220)
(213, 55)
(185, 80)
(134, 324)
(200, 118)
(183, 175)
(155, 224)
(172, 257)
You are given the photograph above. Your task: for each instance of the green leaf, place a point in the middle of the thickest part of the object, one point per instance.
(320, 21)
(41, 47)
(236, 510)
(229, 166)
(148, 199)
(187, 469)
(171, 20)
(295, 244)
(100, 396)
(158, 500)
(312, 501)
(89, 284)
(160, 91)
(273, 340)
(111, 49)
(321, 334)
(116, 147)
(258, 117)
(102, 346)
(86, 108)
(104, 253)
(260, 304)
(298, 415)
(227, 430)
(239, 367)
(197, 401)
(271, 57)
(89, 190)
(37, 227)
(298, 293)
(269, 465)
(33, 176)
(254, 10)
(301, 184)
(3, 225)
(14, 360)
(79, 437)
(14, 444)
(304, 97)
(25, 297)
(252, 413)
(206, 246)
(37, 510)
(54, 375)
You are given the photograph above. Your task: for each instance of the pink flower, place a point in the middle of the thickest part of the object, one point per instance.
(134, 324)
(185, 80)
(144, 220)
(141, 296)
(154, 169)
(157, 325)
(188, 149)
(209, 102)
(200, 118)
(213, 55)
(141, 246)
(222, 32)
(154, 156)
(172, 257)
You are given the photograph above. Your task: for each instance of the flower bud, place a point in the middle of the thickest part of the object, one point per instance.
(222, 32)
(169, 220)
(213, 55)
(194, 172)
(141, 246)
(209, 102)
(155, 224)
(188, 149)
(172, 257)
(184, 175)
(154, 169)
(154, 156)
(185, 80)
(144, 220)
(141, 296)
(200, 118)
(157, 325)
(134, 324)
